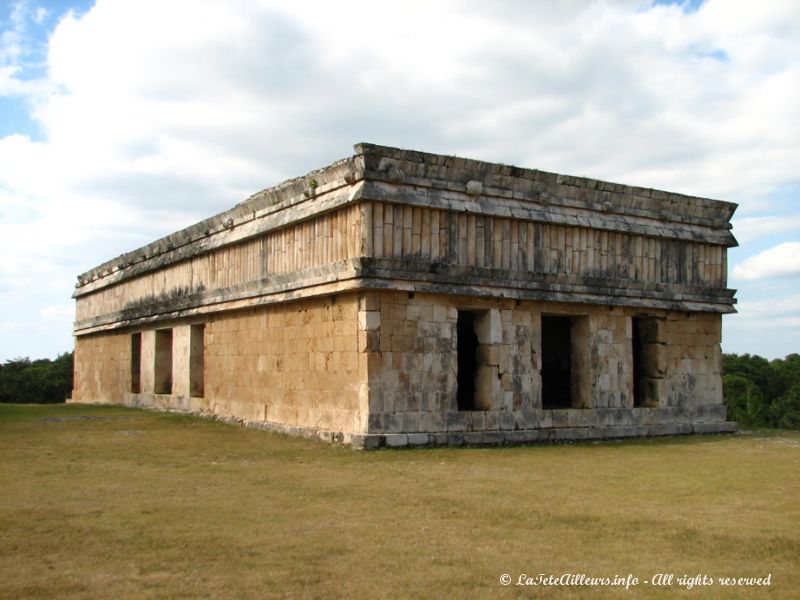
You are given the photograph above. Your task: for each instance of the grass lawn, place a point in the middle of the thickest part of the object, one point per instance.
(113, 502)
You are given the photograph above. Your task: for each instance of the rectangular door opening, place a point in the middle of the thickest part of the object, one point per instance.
(556, 362)
(649, 361)
(467, 349)
(136, 363)
(196, 360)
(638, 368)
(163, 361)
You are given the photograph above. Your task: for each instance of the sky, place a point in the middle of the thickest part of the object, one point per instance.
(124, 120)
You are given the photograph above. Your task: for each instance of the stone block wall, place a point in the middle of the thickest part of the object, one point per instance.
(102, 368)
(413, 362)
(286, 251)
(609, 340)
(385, 364)
(295, 364)
(292, 365)
(693, 358)
(412, 359)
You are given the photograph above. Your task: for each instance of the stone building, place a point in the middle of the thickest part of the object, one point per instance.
(398, 297)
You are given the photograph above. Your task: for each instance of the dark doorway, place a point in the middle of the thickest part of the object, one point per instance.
(136, 363)
(649, 361)
(196, 360)
(556, 362)
(163, 362)
(467, 359)
(638, 367)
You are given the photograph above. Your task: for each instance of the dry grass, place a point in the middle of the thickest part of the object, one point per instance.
(114, 502)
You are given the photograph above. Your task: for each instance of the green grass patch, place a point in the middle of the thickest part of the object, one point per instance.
(116, 502)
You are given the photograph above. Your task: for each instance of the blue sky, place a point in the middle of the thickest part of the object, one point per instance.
(25, 28)
(124, 120)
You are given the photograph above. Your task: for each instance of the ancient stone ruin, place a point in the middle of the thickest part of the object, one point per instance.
(403, 298)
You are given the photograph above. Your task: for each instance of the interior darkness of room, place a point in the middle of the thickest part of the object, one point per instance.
(467, 359)
(556, 362)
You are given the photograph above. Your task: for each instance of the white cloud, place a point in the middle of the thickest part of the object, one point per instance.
(156, 114)
(781, 260)
(767, 327)
(633, 96)
(785, 307)
(40, 14)
(61, 312)
(750, 228)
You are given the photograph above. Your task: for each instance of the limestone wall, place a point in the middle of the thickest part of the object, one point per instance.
(296, 364)
(413, 364)
(383, 363)
(101, 368)
(387, 215)
(293, 365)
(693, 358)
(459, 238)
(329, 238)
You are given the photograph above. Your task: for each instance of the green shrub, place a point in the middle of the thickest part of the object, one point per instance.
(762, 393)
(41, 381)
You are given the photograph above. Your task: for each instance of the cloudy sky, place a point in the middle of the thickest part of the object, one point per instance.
(124, 120)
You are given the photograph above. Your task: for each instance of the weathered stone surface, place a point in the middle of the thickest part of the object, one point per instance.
(332, 310)
(396, 440)
(494, 438)
(473, 438)
(366, 442)
(418, 439)
(715, 427)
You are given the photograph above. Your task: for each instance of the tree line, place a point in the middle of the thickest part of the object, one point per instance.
(761, 392)
(758, 392)
(41, 381)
